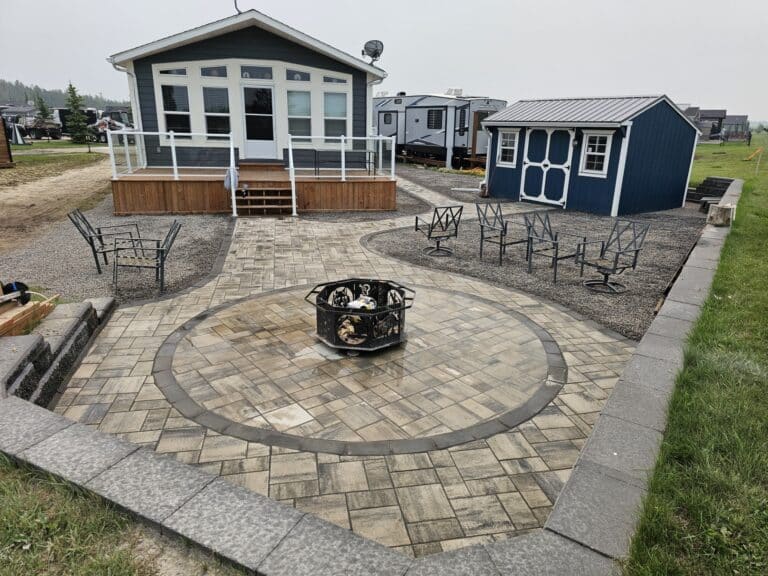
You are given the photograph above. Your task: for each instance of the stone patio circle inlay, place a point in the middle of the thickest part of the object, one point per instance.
(254, 369)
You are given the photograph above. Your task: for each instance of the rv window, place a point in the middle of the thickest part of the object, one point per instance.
(216, 107)
(335, 109)
(507, 153)
(174, 71)
(176, 108)
(435, 119)
(334, 80)
(214, 71)
(388, 118)
(595, 154)
(297, 75)
(299, 114)
(258, 72)
(463, 121)
(398, 100)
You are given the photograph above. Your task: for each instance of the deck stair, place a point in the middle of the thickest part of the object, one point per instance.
(264, 188)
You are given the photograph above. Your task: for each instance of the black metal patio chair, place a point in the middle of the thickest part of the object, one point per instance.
(494, 228)
(100, 239)
(444, 225)
(617, 254)
(545, 242)
(145, 253)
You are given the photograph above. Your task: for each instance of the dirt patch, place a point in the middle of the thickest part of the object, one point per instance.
(672, 234)
(25, 209)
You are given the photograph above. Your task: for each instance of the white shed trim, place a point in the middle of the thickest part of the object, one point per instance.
(620, 170)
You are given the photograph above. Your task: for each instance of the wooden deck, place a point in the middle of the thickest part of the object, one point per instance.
(261, 190)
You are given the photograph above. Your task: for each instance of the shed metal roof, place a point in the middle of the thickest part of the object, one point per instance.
(604, 111)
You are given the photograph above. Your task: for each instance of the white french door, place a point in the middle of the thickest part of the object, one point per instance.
(259, 119)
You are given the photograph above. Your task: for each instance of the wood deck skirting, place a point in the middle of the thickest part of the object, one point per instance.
(200, 194)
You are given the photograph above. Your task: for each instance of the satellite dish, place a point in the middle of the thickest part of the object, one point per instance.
(373, 49)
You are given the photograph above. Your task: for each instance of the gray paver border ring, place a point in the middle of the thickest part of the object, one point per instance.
(165, 380)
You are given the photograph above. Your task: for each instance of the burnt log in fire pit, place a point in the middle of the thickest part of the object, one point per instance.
(361, 314)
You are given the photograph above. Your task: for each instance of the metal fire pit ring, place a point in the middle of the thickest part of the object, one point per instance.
(361, 314)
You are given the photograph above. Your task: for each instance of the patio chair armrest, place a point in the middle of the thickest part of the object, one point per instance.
(123, 225)
(135, 243)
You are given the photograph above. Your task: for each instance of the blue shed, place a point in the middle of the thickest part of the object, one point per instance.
(602, 155)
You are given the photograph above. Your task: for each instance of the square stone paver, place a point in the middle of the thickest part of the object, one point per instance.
(330, 507)
(297, 467)
(342, 477)
(288, 417)
(481, 515)
(181, 440)
(382, 525)
(421, 503)
(223, 448)
(510, 446)
(474, 464)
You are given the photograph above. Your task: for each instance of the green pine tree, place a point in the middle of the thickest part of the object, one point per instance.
(76, 121)
(43, 112)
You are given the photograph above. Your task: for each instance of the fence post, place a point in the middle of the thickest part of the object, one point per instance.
(392, 158)
(292, 175)
(343, 159)
(111, 154)
(173, 156)
(232, 175)
(127, 154)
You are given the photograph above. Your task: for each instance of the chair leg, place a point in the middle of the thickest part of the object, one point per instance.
(555, 260)
(162, 277)
(482, 239)
(96, 258)
(114, 273)
(529, 250)
(501, 248)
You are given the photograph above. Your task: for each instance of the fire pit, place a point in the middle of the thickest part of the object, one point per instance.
(361, 314)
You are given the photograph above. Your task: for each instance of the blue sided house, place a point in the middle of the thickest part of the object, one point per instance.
(612, 156)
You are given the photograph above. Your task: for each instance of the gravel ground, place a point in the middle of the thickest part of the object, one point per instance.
(407, 205)
(672, 234)
(60, 261)
(443, 182)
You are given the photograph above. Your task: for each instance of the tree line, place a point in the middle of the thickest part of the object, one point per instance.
(20, 93)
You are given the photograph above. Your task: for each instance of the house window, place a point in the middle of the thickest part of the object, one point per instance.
(435, 119)
(297, 75)
(174, 71)
(176, 108)
(595, 154)
(300, 114)
(257, 72)
(334, 80)
(213, 71)
(335, 113)
(507, 153)
(216, 108)
(388, 118)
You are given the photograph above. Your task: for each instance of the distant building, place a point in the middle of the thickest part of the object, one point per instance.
(711, 123)
(736, 126)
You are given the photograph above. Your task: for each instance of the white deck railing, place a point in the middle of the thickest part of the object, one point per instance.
(131, 163)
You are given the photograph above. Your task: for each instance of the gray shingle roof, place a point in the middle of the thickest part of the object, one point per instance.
(573, 110)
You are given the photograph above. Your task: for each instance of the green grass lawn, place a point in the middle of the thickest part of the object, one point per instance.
(707, 508)
(38, 144)
(35, 166)
(48, 528)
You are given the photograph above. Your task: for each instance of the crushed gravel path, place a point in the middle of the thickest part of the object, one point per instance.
(444, 182)
(407, 205)
(672, 234)
(60, 261)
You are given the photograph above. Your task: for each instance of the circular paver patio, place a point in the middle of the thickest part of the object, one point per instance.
(255, 369)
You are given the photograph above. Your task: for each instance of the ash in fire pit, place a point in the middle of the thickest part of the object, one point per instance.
(361, 314)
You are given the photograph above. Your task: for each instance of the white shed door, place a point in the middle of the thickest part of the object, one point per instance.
(547, 157)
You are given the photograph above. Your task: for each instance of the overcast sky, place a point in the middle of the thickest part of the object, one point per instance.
(704, 52)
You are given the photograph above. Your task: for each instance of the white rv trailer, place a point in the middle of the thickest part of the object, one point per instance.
(420, 123)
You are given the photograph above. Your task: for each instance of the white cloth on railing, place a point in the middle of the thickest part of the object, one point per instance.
(230, 179)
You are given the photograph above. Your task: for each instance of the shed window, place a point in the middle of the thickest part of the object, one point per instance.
(595, 154)
(297, 75)
(299, 114)
(216, 108)
(507, 153)
(258, 72)
(176, 108)
(435, 119)
(335, 113)
(388, 118)
(214, 71)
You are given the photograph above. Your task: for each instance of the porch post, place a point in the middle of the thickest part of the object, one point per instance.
(232, 174)
(127, 154)
(111, 154)
(381, 150)
(343, 159)
(173, 156)
(392, 159)
(292, 175)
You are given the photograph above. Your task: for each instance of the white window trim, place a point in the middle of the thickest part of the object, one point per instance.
(297, 117)
(280, 86)
(205, 85)
(499, 162)
(164, 112)
(347, 118)
(582, 163)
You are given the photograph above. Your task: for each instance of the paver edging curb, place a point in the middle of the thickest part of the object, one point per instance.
(165, 380)
(621, 452)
